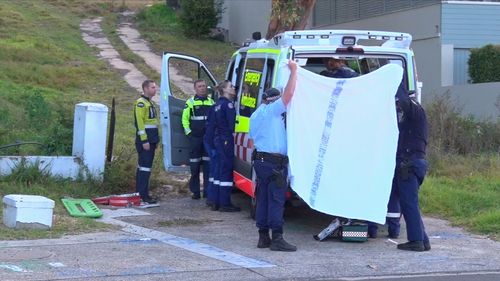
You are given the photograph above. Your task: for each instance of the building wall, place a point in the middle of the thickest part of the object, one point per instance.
(243, 17)
(479, 100)
(468, 25)
(423, 24)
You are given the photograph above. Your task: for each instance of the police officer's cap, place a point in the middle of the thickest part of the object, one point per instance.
(271, 94)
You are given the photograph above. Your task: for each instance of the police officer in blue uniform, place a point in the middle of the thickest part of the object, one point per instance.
(336, 68)
(267, 129)
(208, 141)
(146, 138)
(411, 168)
(225, 117)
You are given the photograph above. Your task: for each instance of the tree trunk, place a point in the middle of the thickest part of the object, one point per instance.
(289, 16)
(174, 4)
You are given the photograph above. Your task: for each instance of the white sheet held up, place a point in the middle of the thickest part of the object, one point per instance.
(342, 140)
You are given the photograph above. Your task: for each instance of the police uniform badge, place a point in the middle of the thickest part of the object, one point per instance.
(230, 105)
(140, 104)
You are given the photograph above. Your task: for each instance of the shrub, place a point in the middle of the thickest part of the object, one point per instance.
(484, 64)
(450, 132)
(197, 17)
(37, 110)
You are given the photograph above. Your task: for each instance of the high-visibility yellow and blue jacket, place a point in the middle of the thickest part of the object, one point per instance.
(195, 114)
(146, 122)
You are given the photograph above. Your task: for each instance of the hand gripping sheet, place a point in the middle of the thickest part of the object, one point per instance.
(342, 140)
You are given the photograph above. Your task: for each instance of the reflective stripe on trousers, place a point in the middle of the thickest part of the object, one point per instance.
(196, 155)
(225, 152)
(145, 163)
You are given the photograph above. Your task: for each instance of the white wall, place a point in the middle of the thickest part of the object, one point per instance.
(480, 100)
(447, 65)
(243, 17)
(60, 166)
(89, 147)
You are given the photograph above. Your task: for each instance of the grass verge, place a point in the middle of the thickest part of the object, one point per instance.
(471, 202)
(46, 69)
(30, 179)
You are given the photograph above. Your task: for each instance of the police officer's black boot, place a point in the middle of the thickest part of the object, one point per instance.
(417, 246)
(264, 239)
(279, 244)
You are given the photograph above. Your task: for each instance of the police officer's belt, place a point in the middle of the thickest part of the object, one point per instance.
(274, 158)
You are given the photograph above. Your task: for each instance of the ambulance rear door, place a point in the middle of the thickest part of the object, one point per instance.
(178, 74)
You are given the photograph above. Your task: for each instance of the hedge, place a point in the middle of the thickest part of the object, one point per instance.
(197, 17)
(484, 64)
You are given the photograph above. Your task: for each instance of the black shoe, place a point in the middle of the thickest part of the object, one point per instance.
(427, 245)
(393, 236)
(149, 200)
(209, 204)
(195, 196)
(214, 207)
(279, 244)
(264, 240)
(230, 208)
(417, 246)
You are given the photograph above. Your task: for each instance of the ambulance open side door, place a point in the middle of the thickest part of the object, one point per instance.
(178, 73)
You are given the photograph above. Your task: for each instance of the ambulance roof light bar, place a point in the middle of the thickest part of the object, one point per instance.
(343, 37)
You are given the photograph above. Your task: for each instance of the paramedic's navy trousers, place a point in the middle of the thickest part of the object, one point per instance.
(213, 180)
(225, 154)
(198, 158)
(393, 212)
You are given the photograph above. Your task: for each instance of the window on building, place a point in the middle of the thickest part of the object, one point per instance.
(328, 12)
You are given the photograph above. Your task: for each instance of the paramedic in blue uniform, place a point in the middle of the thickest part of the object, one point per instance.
(393, 215)
(146, 138)
(411, 168)
(194, 117)
(336, 68)
(270, 161)
(225, 117)
(208, 141)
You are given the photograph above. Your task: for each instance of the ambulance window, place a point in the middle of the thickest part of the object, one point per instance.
(239, 70)
(191, 71)
(252, 77)
(269, 74)
(231, 69)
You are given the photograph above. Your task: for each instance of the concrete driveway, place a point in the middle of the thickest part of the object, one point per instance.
(183, 240)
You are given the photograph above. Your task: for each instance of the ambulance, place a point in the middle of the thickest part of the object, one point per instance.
(255, 68)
